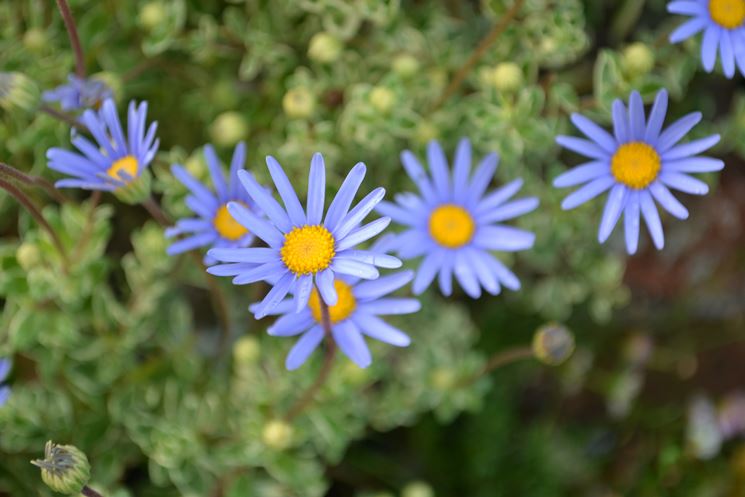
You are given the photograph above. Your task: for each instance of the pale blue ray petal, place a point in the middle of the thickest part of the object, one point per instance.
(325, 284)
(465, 275)
(510, 210)
(344, 197)
(684, 183)
(612, 211)
(255, 255)
(594, 132)
(480, 179)
(391, 306)
(349, 339)
(303, 288)
(417, 174)
(461, 168)
(676, 131)
(690, 148)
(482, 270)
(656, 118)
(303, 348)
(259, 273)
(709, 45)
(255, 225)
(265, 201)
(286, 192)
(631, 222)
(218, 178)
(582, 174)
(363, 233)
(427, 270)
(438, 164)
(688, 29)
(620, 122)
(498, 196)
(376, 328)
(401, 216)
(693, 165)
(666, 199)
(359, 212)
(316, 189)
(291, 324)
(370, 257)
(370, 290)
(652, 218)
(275, 295)
(637, 125)
(354, 268)
(583, 147)
(504, 238)
(727, 54)
(588, 192)
(445, 276)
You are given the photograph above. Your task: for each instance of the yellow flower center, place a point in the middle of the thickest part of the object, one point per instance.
(729, 14)
(227, 226)
(127, 164)
(340, 311)
(308, 249)
(451, 226)
(635, 164)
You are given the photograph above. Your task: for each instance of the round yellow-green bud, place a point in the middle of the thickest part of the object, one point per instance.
(277, 434)
(152, 15)
(299, 103)
(382, 99)
(553, 344)
(28, 255)
(35, 39)
(228, 129)
(425, 132)
(405, 65)
(507, 77)
(417, 489)
(17, 91)
(137, 190)
(637, 59)
(64, 469)
(324, 47)
(443, 378)
(246, 350)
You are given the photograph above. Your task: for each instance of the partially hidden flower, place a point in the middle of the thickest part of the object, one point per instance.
(454, 222)
(5, 365)
(722, 22)
(304, 247)
(638, 163)
(212, 225)
(79, 93)
(116, 158)
(356, 314)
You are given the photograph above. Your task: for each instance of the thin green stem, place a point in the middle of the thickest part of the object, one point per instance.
(27, 179)
(328, 360)
(72, 31)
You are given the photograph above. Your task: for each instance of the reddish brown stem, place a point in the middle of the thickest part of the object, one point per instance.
(72, 32)
(499, 359)
(63, 116)
(14, 173)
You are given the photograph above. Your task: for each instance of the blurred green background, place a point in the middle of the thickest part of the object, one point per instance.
(118, 352)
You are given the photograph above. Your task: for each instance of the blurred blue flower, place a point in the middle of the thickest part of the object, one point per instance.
(355, 314)
(79, 93)
(304, 248)
(638, 163)
(722, 23)
(213, 225)
(115, 159)
(5, 366)
(452, 223)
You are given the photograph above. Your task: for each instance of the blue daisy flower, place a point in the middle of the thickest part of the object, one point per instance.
(355, 315)
(115, 159)
(304, 247)
(453, 222)
(79, 93)
(722, 22)
(638, 163)
(5, 366)
(213, 225)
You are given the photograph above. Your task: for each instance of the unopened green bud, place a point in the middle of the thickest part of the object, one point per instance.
(277, 434)
(507, 77)
(17, 91)
(553, 344)
(405, 65)
(442, 378)
(152, 15)
(637, 59)
(28, 255)
(299, 103)
(246, 350)
(64, 469)
(228, 129)
(35, 39)
(137, 190)
(324, 47)
(382, 99)
(417, 489)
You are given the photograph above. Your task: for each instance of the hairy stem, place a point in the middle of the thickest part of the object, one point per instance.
(484, 44)
(26, 202)
(323, 375)
(499, 359)
(219, 303)
(72, 31)
(27, 179)
(89, 492)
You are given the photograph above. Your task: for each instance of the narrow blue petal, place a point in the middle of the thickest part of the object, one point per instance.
(195, 187)
(354, 268)
(582, 174)
(693, 165)
(504, 275)
(391, 306)
(316, 189)
(620, 122)
(612, 212)
(631, 222)
(413, 243)
(417, 174)
(255, 255)
(218, 178)
(236, 164)
(666, 199)
(481, 178)
(255, 225)
(482, 270)
(359, 212)
(709, 47)
(286, 192)
(370, 257)
(637, 125)
(370, 290)
(439, 166)
(582, 147)
(510, 210)
(259, 273)
(684, 183)
(690, 148)
(499, 196)
(461, 168)
(676, 131)
(428, 270)
(686, 7)
(303, 348)
(376, 328)
(688, 29)
(265, 201)
(401, 216)
(275, 295)
(344, 197)
(302, 291)
(503, 238)
(232, 269)
(652, 218)
(595, 133)
(588, 192)
(363, 233)
(85, 185)
(191, 243)
(325, 284)
(656, 117)
(291, 324)
(350, 342)
(465, 275)
(445, 276)
(727, 53)
(5, 366)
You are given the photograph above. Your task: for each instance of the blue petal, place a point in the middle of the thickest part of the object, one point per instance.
(370, 257)
(631, 222)
(688, 29)
(236, 164)
(582, 147)
(316, 189)
(344, 197)
(325, 284)
(363, 233)
(291, 324)
(417, 174)
(499, 196)
(691, 148)
(482, 271)
(257, 226)
(676, 131)
(5, 366)
(428, 270)
(656, 118)
(504, 238)
(461, 168)
(391, 306)
(481, 178)
(350, 342)
(359, 212)
(727, 53)
(265, 201)
(191, 243)
(445, 276)
(667, 200)
(398, 214)
(595, 132)
(465, 275)
(260, 273)
(636, 116)
(302, 291)
(652, 218)
(612, 212)
(197, 189)
(686, 7)
(709, 47)
(510, 210)
(286, 192)
(588, 192)
(376, 328)
(684, 183)
(620, 122)
(582, 174)
(439, 167)
(370, 290)
(694, 165)
(256, 255)
(354, 268)
(275, 295)
(304, 347)
(218, 178)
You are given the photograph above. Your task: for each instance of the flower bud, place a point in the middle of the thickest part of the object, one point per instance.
(425, 132)
(405, 65)
(17, 91)
(507, 77)
(417, 489)
(137, 190)
(28, 255)
(277, 434)
(382, 99)
(637, 59)
(64, 469)
(299, 103)
(553, 344)
(442, 378)
(228, 129)
(324, 47)
(35, 39)
(246, 350)
(152, 15)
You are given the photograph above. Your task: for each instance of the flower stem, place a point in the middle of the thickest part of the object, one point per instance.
(499, 359)
(323, 375)
(484, 44)
(219, 303)
(26, 202)
(62, 116)
(72, 31)
(14, 173)
(89, 492)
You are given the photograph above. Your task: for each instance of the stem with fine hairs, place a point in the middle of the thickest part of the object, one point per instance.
(72, 31)
(323, 375)
(27, 179)
(484, 44)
